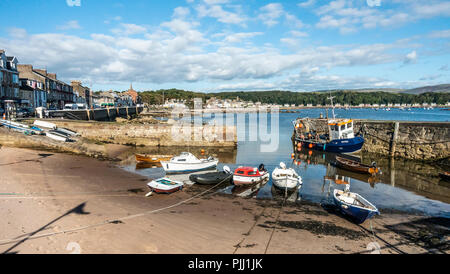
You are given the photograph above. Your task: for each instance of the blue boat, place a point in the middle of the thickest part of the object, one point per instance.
(354, 205)
(341, 137)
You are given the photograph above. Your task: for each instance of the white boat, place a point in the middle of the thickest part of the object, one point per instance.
(164, 185)
(44, 124)
(56, 136)
(187, 162)
(286, 178)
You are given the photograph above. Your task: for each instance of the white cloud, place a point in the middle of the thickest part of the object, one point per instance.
(307, 3)
(73, 24)
(223, 16)
(411, 57)
(129, 29)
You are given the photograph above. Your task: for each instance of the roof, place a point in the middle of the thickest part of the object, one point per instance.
(339, 122)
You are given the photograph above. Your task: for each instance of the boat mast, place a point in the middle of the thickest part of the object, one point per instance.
(332, 105)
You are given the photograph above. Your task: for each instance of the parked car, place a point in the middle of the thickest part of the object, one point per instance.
(24, 112)
(70, 107)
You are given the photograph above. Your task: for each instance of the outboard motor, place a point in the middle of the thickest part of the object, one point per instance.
(261, 167)
(227, 169)
(374, 164)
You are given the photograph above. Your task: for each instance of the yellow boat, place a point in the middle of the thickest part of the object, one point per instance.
(152, 158)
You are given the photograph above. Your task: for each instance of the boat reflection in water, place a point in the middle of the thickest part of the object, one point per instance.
(142, 165)
(291, 195)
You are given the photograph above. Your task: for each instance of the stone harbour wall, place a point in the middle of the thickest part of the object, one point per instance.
(159, 135)
(425, 141)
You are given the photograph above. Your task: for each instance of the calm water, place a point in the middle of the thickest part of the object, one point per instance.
(403, 185)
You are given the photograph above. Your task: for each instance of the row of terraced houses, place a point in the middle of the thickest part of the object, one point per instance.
(32, 87)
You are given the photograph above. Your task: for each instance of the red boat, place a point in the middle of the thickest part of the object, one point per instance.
(249, 175)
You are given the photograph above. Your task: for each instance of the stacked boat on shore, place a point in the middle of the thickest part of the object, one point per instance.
(41, 128)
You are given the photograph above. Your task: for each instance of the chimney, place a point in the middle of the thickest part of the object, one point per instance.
(52, 76)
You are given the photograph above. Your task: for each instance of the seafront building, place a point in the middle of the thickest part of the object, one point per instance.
(58, 92)
(9, 79)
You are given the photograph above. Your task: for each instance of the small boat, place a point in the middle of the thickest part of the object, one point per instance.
(187, 162)
(164, 185)
(67, 131)
(44, 124)
(213, 178)
(14, 125)
(152, 158)
(354, 205)
(250, 175)
(356, 166)
(445, 176)
(56, 136)
(286, 178)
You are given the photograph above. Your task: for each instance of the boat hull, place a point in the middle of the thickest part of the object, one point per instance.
(352, 145)
(355, 166)
(171, 167)
(248, 180)
(164, 186)
(152, 159)
(286, 183)
(357, 214)
(211, 178)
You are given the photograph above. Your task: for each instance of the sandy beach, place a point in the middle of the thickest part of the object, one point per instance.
(60, 203)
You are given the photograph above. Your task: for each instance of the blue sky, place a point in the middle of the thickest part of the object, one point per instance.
(222, 45)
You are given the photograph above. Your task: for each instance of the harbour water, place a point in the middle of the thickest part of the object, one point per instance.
(403, 185)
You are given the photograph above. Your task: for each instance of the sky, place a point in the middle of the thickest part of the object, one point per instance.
(228, 45)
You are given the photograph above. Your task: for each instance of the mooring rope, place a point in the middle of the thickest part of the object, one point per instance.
(115, 221)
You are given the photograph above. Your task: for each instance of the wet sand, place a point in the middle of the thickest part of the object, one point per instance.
(44, 194)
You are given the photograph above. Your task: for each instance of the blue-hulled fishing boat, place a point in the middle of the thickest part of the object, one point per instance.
(354, 205)
(341, 137)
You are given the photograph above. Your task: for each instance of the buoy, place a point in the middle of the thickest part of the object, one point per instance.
(310, 146)
(293, 155)
(310, 152)
(4, 116)
(295, 162)
(203, 151)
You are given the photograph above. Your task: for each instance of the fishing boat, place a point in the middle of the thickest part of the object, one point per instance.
(164, 185)
(356, 166)
(286, 178)
(340, 138)
(354, 205)
(445, 176)
(153, 159)
(250, 175)
(212, 178)
(187, 162)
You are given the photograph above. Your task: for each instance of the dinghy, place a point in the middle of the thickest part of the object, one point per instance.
(152, 159)
(354, 205)
(187, 162)
(250, 175)
(213, 178)
(66, 131)
(286, 178)
(356, 166)
(56, 136)
(44, 124)
(164, 185)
